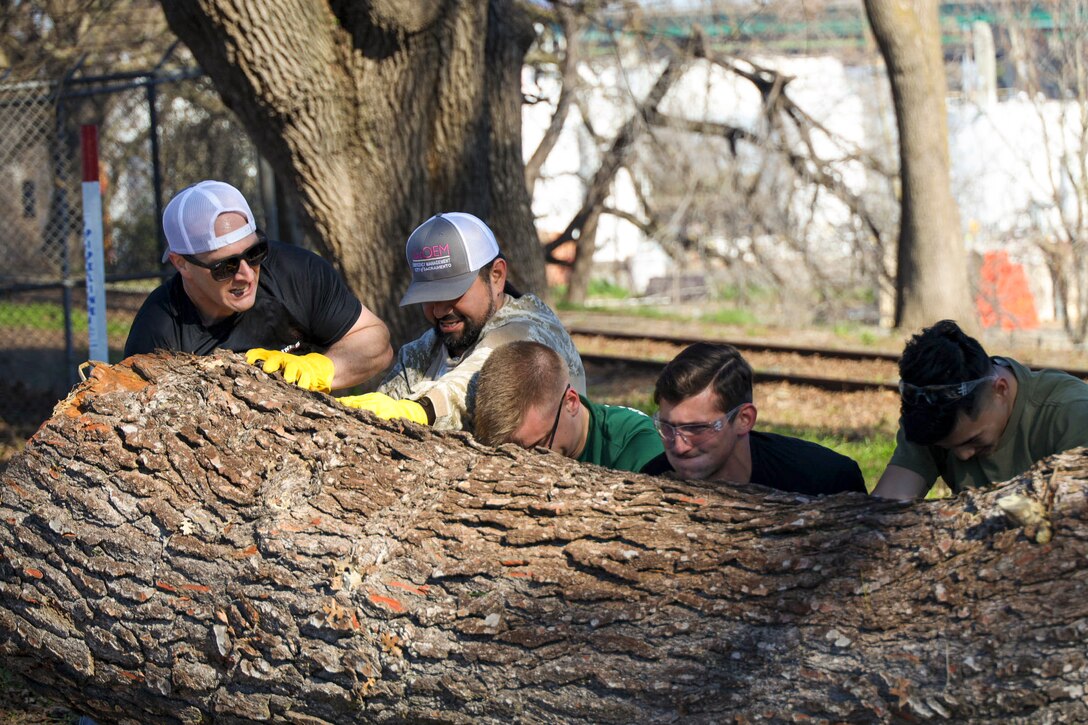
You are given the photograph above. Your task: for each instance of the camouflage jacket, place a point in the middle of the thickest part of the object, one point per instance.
(417, 371)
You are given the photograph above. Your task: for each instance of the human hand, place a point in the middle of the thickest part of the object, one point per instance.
(310, 372)
(385, 407)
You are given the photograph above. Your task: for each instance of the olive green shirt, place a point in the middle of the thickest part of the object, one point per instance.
(1049, 415)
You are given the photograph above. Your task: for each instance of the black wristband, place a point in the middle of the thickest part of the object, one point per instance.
(428, 408)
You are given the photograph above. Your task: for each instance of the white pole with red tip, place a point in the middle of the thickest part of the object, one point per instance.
(93, 255)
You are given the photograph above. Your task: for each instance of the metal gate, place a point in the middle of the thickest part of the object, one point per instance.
(158, 132)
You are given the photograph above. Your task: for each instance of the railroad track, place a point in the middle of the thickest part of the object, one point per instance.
(651, 367)
(648, 366)
(745, 345)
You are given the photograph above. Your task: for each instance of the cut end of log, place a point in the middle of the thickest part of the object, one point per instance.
(103, 379)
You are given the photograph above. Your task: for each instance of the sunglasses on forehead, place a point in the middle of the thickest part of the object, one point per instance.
(224, 269)
(939, 394)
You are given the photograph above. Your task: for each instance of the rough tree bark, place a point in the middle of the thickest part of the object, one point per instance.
(379, 114)
(187, 540)
(931, 276)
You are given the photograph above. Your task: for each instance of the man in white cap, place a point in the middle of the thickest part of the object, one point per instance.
(284, 306)
(459, 277)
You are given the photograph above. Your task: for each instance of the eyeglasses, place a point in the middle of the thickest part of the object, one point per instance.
(693, 434)
(939, 394)
(224, 269)
(558, 412)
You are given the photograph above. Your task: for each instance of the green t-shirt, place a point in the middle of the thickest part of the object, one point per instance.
(620, 438)
(1050, 415)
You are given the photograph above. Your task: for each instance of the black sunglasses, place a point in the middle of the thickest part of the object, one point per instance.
(224, 269)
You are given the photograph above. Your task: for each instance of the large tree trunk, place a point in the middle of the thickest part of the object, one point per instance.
(186, 540)
(931, 279)
(380, 114)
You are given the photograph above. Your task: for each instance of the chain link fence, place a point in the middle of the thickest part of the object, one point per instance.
(158, 133)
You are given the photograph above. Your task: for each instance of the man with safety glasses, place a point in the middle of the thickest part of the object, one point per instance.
(284, 306)
(706, 418)
(524, 396)
(974, 420)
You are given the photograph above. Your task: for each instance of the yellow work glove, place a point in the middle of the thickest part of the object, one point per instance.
(383, 406)
(311, 372)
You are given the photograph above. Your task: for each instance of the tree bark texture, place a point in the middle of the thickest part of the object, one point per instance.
(932, 282)
(380, 114)
(188, 540)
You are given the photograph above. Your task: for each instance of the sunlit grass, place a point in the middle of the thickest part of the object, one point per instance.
(606, 289)
(49, 317)
(751, 312)
(732, 316)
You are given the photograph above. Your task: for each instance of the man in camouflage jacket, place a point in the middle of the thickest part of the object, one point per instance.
(459, 276)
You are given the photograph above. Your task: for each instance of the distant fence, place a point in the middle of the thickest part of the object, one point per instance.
(158, 132)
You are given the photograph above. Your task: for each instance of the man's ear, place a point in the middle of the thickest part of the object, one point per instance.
(498, 274)
(746, 419)
(179, 262)
(571, 400)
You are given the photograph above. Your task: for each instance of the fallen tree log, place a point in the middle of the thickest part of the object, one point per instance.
(189, 540)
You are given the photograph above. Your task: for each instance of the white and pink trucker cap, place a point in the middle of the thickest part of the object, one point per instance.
(189, 218)
(445, 253)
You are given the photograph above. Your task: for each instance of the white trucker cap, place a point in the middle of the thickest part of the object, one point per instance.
(189, 218)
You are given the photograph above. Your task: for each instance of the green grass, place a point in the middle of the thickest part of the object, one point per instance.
(645, 402)
(598, 288)
(722, 316)
(745, 293)
(854, 333)
(866, 295)
(49, 317)
(604, 288)
(730, 316)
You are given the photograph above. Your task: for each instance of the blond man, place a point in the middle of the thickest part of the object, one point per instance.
(524, 396)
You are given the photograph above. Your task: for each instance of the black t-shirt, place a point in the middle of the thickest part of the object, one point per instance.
(657, 465)
(800, 466)
(302, 305)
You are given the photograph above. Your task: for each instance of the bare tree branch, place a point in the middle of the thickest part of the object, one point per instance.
(572, 26)
(622, 143)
